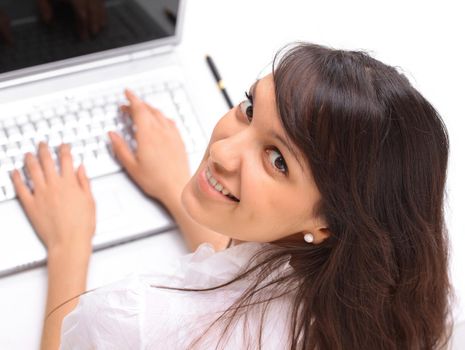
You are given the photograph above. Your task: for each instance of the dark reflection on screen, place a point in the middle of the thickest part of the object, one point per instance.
(31, 34)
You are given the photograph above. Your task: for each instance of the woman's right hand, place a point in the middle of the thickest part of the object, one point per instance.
(159, 165)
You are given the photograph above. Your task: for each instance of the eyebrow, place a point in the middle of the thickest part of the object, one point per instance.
(288, 146)
(273, 133)
(253, 88)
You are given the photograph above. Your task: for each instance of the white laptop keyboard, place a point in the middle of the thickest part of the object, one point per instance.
(84, 121)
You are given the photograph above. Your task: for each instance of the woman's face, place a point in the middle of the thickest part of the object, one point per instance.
(263, 191)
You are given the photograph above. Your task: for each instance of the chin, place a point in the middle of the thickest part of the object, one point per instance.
(195, 210)
(191, 205)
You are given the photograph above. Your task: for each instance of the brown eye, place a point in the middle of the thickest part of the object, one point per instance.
(277, 160)
(247, 109)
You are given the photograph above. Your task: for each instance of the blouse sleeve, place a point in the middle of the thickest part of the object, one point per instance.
(141, 313)
(106, 318)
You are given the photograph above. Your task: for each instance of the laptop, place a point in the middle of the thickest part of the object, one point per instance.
(60, 85)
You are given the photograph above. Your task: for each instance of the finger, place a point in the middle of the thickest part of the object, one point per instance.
(48, 165)
(138, 110)
(127, 110)
(66, 161)
(122, 152)
(157, 114)
(83, 179)
(35, 171)
(136, 105)
(21, 189)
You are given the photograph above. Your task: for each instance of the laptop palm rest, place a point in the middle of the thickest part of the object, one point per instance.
(124, 213)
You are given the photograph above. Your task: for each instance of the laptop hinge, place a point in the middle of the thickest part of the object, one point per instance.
(86, 66)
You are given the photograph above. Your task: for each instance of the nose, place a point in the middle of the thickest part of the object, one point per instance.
(226, 154)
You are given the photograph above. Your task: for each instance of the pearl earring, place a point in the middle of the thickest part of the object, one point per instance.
(308, 237)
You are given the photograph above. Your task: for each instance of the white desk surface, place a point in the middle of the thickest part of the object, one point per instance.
(242, 36)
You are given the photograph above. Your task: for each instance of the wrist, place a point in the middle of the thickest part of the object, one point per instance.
(79, 253)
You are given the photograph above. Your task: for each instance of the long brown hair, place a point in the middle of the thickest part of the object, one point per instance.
(378, 152)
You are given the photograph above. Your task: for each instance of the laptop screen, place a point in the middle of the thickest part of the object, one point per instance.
(36, 32)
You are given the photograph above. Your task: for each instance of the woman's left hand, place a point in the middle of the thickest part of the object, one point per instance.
(60, 207)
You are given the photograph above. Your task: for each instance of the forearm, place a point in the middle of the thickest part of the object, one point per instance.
(194, 234)
(67, 275)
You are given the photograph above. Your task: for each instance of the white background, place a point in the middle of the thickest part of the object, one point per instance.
(424, 38)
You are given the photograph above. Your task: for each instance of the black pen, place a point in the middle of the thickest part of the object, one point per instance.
(219, 81)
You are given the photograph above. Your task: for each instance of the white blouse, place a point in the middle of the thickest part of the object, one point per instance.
(134, 314)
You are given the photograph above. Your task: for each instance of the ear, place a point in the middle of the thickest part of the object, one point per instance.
(319, 229)
(320, 235)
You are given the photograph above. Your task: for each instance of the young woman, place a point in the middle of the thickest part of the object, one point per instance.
(329, 181)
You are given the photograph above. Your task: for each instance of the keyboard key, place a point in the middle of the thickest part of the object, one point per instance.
(73, 107)
(9, 122)
(60, 110)
(87, 104)
(83, 117)
(70, 121)
(106, 161)
(42, 125)
(48, 113)
(84, 124)
(27, 146)
(27, 130)
(3, 137)
(6, 164)
(163, 102)
(77, 147)
(91, 143)
(99, 101)
(69, 136)
(12, 149)
(55, 140)
(35, 116)
(22, 119)
(18, 161)
(173, 84)
(97, 113)
(56, 123)
(14, 134)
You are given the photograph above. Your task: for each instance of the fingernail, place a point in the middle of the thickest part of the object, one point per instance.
(132, 94)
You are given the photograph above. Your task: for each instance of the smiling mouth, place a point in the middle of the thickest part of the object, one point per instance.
(219, 187)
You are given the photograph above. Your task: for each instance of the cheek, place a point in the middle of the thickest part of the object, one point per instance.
(225, 127)
(276, 212)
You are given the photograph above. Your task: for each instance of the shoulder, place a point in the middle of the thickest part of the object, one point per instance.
(107, 315)
(138, 312)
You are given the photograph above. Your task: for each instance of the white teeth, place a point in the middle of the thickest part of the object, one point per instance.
(219, 187)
